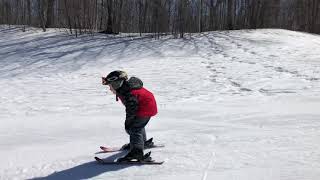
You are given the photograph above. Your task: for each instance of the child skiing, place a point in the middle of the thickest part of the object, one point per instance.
(140, 106)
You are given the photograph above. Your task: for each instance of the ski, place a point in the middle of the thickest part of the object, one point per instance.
(116, 149)
(152, 162)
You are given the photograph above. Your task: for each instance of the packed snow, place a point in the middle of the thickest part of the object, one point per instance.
(233, 105)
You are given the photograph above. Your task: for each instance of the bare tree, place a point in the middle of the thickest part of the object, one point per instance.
(162, 16)
(50, 13)
(231, 10)
(109, 29)
(42, 10)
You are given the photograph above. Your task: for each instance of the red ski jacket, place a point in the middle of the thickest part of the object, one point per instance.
(147, 105)
(146, 102)
(137, 100)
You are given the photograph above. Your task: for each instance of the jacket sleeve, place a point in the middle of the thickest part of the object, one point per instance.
(131, 104)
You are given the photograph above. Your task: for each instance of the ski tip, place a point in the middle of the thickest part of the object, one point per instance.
(99, 160)
(103, 148)
(159, 163)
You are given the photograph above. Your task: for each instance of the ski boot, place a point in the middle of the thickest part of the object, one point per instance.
(147, 144)
(134, 154)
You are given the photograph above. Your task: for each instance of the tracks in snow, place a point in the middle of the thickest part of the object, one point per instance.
(240, 65)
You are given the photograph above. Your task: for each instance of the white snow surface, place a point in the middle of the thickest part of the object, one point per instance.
(233, 105)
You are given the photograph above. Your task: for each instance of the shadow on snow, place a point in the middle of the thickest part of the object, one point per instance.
(86, 171)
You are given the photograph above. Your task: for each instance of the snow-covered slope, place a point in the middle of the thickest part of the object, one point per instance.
(232, 105)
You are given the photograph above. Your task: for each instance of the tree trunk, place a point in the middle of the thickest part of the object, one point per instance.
(50, 14)
(43, 7)
(200, 17)
(230, 14)
(109, 29)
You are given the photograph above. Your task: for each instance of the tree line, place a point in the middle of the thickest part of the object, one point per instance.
(161, 16)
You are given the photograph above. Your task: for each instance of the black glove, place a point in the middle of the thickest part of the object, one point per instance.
(127, 124)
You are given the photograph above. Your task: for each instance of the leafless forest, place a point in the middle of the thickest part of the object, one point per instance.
(175, 17)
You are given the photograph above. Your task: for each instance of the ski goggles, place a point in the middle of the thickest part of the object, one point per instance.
(115, 84)
(106, 81)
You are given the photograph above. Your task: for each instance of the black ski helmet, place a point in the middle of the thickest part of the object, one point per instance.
(116, 79)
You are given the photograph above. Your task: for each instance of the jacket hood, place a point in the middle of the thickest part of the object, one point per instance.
(135, 83)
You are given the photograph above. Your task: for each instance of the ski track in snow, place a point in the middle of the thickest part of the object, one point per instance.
(232, 104)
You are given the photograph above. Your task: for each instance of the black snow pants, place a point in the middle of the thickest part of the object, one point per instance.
(137, 132)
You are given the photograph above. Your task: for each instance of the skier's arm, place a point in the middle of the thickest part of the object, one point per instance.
(131, 109)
